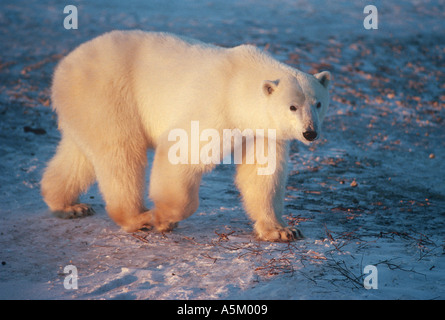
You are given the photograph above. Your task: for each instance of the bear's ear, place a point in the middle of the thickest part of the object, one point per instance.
(269, 86)
(324, 78)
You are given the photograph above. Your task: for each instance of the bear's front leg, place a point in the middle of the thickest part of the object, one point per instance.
(174, 190)
(263, 194)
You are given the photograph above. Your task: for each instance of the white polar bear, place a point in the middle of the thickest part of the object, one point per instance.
(123, 92)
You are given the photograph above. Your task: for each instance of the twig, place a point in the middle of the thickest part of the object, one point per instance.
(331, 238)
(341, 267)
(205, 255)
(224, 236)
(140, 238)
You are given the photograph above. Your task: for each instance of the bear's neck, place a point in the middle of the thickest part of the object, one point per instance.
(247, 103)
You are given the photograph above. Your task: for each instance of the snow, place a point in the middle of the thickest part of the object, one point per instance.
(370, 192)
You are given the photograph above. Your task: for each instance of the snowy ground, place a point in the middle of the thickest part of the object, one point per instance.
(371, 192)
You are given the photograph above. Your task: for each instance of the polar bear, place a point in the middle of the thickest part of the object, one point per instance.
(123, 92)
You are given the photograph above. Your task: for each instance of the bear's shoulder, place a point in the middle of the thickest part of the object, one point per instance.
(254, 57)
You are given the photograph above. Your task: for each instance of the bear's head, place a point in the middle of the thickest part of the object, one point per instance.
(297, 104)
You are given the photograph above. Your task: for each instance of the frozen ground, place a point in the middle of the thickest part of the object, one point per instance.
(371, 192)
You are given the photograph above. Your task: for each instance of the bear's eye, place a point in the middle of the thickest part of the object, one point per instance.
(293, 108)
(318, 105)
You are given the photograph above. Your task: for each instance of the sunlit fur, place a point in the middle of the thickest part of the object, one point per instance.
(121, 93)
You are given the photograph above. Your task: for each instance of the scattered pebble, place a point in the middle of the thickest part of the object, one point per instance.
(34, 130)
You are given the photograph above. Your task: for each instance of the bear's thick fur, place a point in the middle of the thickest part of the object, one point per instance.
(123, 92)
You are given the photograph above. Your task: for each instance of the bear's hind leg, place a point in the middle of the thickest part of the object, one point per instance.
(68, 174)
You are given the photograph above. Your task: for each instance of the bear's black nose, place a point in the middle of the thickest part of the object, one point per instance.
(310, 135)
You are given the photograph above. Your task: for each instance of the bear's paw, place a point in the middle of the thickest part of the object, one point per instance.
(75, 211)
(281, 234)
